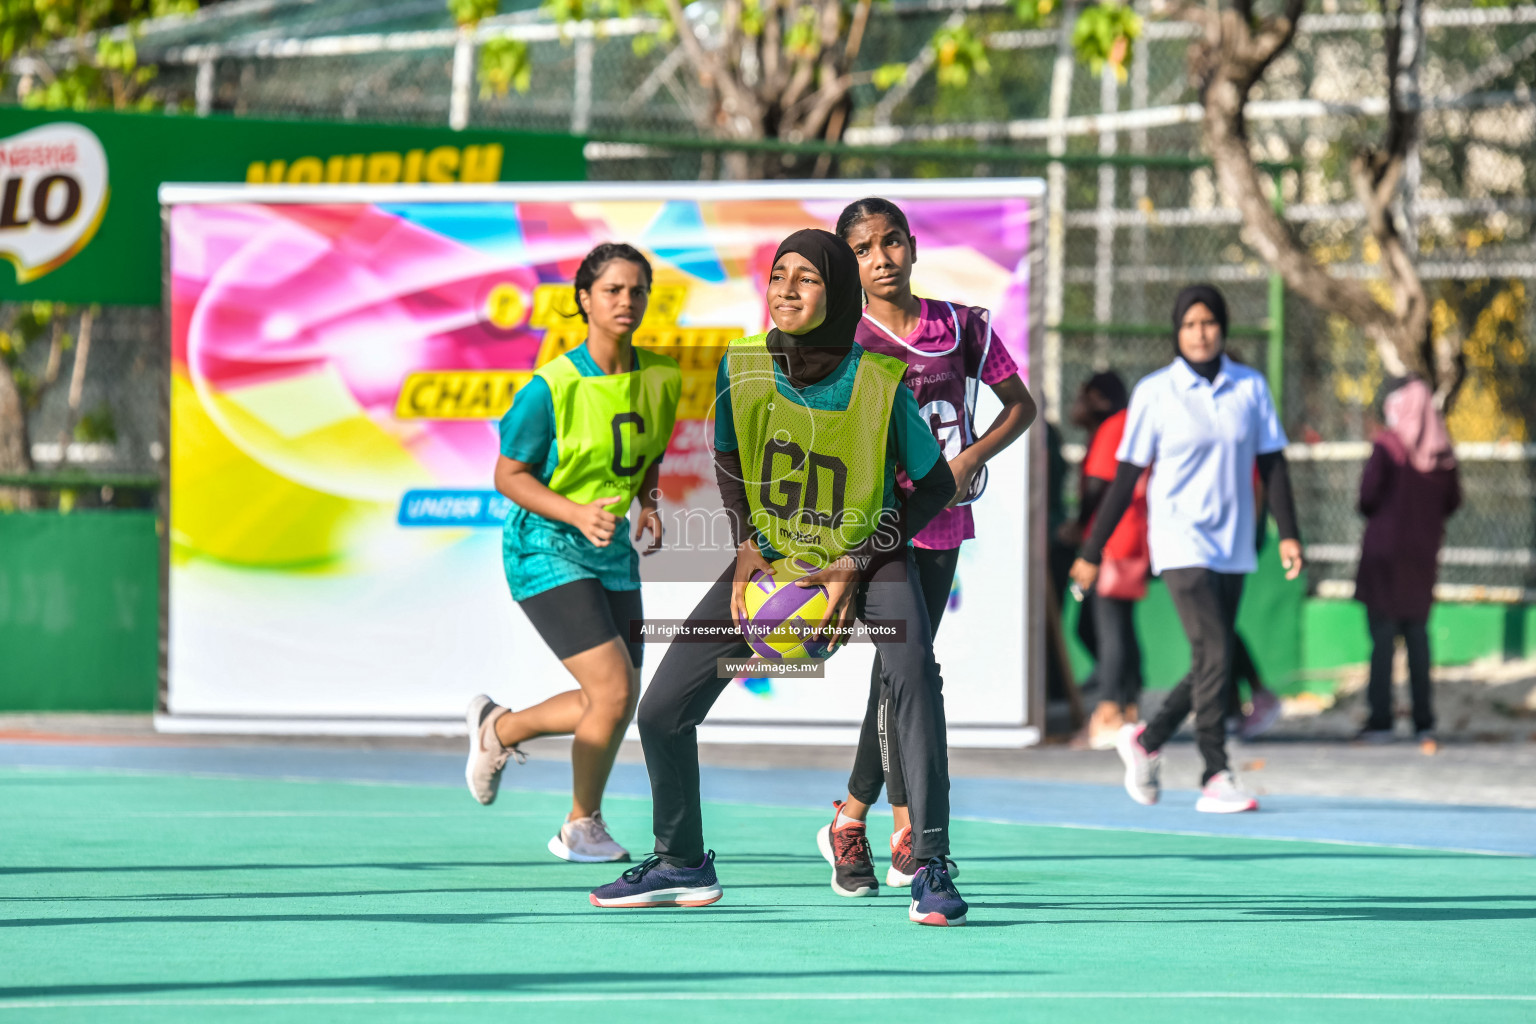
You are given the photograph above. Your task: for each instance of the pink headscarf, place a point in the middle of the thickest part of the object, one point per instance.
(1418, 428)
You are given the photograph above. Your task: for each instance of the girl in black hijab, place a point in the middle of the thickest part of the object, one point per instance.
(814, 299)
(1204, 362)
(808, 357)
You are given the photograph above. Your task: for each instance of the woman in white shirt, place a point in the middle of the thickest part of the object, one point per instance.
(1201, 423)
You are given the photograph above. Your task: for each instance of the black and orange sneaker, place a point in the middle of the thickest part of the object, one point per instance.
(903, 865)
(847, 850)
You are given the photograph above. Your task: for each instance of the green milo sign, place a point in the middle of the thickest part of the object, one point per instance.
(79, 203)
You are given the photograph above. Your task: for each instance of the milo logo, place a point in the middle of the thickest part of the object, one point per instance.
(53, 192)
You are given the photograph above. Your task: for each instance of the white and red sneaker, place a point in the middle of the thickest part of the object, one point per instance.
(846, 848)
(1222, 795)
(1141, 767)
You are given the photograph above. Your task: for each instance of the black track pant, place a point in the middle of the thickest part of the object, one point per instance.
(1384, 633)
(1107, 628)
(685, 687)
(878, 759)
(1207, 605)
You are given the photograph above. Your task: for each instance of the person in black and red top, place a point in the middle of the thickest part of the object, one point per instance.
(1107, 624)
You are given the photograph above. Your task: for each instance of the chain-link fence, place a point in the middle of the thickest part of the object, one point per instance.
(93, 382)
(1135, 215)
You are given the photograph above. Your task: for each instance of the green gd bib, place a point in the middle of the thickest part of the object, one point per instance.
(815, 478)
(609, 429)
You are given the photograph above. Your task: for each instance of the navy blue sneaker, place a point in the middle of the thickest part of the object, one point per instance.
(935, 900)
(655, 883)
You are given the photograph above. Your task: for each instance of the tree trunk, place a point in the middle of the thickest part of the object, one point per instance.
(15, 443)
(1232, 58)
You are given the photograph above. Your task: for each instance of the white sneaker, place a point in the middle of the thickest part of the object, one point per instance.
(1141, 768)
(487, 757)
(586, 841)
(1222, 795)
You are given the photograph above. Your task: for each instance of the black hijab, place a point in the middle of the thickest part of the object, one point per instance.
(1210, 298)
(809, 357)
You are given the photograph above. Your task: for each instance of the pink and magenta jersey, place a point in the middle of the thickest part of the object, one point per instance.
(949, 352)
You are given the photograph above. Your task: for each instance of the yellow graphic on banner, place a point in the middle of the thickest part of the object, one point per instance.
(487, 394)
(554, 305)
(459, 394)
(505, 306)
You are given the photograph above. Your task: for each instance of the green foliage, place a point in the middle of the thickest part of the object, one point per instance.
(802, 39)
(504, 65)
(471, 12)
(958, 55)
(97, 425)
(1103, 34)
(752, 18)
(887, 75)
(108, 76)
(1032, 12)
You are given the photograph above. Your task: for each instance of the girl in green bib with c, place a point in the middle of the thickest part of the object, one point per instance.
(583, 439)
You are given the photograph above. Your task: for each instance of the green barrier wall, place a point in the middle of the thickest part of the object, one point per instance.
(79, 611)
(1270, 620)
(1335, 633)
(1298, 641)
(79, 620)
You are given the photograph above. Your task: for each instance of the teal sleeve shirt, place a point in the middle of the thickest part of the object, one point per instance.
(539, 554)
(910, 443)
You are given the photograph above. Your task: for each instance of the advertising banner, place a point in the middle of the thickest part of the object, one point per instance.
(340, 364)
(80, 215)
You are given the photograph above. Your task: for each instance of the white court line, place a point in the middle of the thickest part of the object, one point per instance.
(704, 997)
(1233, 835)
(106, 770)
(283, 814)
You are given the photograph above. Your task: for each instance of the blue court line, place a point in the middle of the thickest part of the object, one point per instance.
(1455, 827)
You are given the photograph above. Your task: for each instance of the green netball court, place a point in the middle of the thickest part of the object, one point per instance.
(151, 895)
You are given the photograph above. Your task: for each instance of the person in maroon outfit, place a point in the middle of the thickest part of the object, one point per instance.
(1409, 488)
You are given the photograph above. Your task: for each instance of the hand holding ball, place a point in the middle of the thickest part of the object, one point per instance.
(781, 618)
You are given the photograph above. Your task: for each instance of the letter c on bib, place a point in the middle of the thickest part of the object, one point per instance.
(619, 466)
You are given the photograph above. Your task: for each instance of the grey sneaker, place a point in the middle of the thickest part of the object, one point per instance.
(487, 757)
(1222, 795)
(1141, 767)
(586, 841)
(1265, 713)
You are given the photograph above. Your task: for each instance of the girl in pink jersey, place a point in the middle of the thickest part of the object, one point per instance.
(949, 351)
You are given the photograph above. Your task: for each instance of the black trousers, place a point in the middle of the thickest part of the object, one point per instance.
(1384, 633)
(1243, 671)
(878, 758)
(1207, 605)
(1107, 628)
(685, 688)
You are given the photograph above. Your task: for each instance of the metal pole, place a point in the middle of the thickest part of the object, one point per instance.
(1056, 212)
(1140, 92)
(463, 77)
(581, 105)
(1275, 357)
(203, 87)
(1104, 249)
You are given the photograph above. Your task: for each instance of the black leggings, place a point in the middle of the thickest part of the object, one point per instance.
(686, 685)
(878, 758)
(1207, 605)
(1384, 633)
(1107, 628)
